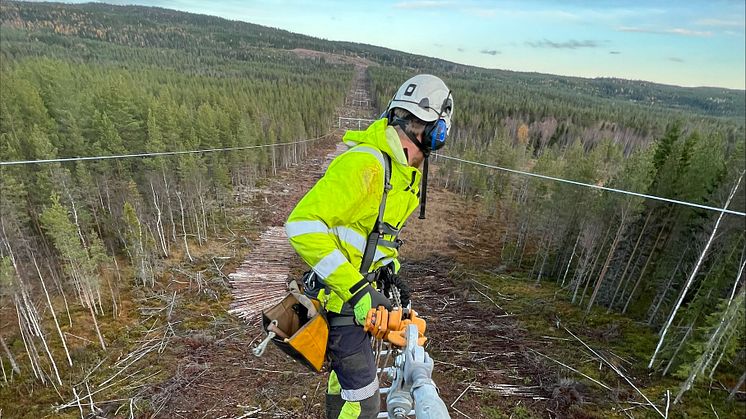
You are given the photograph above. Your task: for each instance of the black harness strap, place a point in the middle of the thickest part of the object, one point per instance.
(378, 228)
(388, 243)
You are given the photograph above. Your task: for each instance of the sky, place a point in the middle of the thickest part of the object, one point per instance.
(682, 42)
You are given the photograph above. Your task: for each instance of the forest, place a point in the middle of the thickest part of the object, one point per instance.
(67, 227)
(102, 80)
(676, 269)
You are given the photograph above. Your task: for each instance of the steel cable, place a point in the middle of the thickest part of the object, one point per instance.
(590, 185)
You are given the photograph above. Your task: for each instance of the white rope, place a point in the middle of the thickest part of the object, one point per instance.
(589, 185)
(155, 154)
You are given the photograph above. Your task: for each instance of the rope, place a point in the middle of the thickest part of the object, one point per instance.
(155, 154)
(590, 185)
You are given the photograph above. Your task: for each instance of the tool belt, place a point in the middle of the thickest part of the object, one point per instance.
(312, 286)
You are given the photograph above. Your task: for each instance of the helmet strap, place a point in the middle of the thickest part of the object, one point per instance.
(402, 123)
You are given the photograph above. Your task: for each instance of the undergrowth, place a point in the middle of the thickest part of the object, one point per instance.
(544, 311)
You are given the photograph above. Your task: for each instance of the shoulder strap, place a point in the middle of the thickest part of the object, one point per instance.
(375, 234)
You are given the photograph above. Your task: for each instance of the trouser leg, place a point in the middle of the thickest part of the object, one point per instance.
(369, 407)
(334, 404)
(353, 385)
(337, 408)
(334, 401)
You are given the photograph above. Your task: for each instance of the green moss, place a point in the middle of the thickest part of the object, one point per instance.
(522, 412)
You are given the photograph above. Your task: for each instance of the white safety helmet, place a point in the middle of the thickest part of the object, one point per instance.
(429, 99)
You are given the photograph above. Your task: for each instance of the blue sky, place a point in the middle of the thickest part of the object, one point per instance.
(684, 42)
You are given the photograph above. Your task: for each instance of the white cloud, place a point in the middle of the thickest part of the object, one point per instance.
(722, 23)
(688, 32)
(667, 31)
(571, 44)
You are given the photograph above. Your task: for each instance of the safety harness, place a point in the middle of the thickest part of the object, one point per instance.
(375, 239)
(299, 324)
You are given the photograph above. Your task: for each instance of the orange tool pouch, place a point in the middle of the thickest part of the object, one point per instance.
(302, 338)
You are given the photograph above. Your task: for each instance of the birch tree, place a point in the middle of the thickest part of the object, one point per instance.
(80, 266)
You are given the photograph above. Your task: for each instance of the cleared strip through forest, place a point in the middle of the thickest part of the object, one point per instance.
(261, 280)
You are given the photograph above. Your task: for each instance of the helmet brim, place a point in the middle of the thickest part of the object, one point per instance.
(425, 115)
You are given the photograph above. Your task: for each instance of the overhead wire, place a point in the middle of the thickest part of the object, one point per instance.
(438, 155)
(157, 153)
(590, 185)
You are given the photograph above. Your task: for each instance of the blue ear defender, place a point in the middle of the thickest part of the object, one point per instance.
(435, 134)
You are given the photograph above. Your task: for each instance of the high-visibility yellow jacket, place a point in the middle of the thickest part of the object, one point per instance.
(330, 225)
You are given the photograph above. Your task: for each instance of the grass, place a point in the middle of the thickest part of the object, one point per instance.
(519, 411)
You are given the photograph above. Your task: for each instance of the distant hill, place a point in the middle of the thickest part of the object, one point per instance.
(139, 26)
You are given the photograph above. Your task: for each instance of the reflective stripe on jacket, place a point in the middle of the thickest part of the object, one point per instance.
(330, 225)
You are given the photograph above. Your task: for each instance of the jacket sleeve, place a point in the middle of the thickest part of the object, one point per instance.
(349, 191)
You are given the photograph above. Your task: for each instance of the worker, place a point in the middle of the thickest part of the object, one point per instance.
(331, 226)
